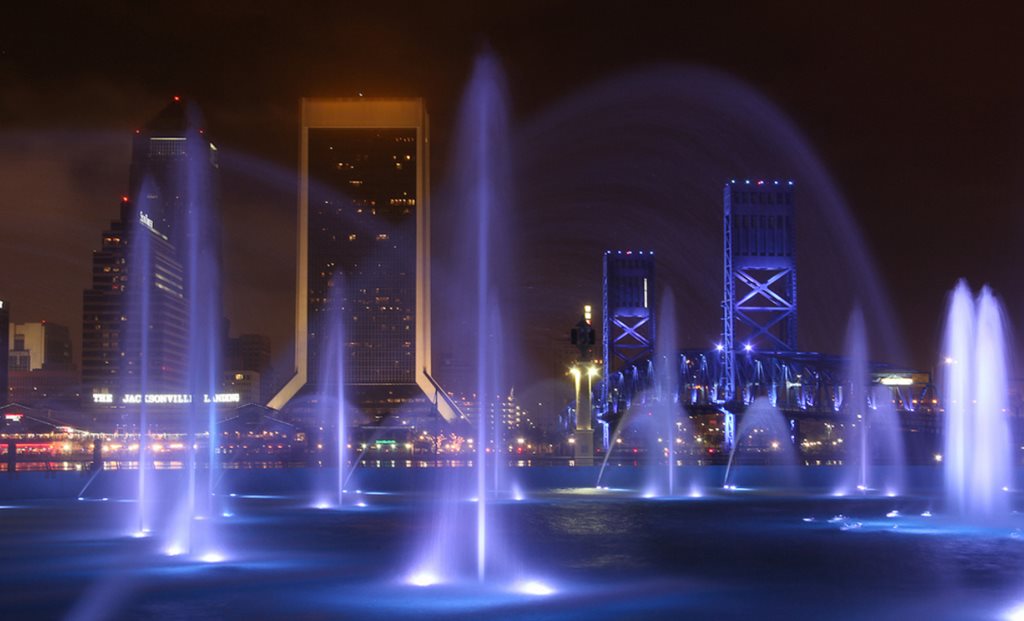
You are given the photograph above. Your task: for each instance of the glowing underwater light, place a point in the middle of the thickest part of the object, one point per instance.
(212, 557)
(174, 550)
(1016, 614)
(534, 587)
(424, 578)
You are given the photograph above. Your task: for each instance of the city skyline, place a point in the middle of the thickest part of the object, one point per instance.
(895, 210)
(545, 309)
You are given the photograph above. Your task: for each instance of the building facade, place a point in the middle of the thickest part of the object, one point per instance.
(248, 364)
(40, 363)
(136, 312)
(364, 251)
(39, 345)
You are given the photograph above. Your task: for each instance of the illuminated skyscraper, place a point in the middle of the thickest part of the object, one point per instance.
(364, 224)
(164, 182)
(110, 350)
(171, 171)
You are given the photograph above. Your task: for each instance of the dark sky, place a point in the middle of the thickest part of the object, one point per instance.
(915, 112)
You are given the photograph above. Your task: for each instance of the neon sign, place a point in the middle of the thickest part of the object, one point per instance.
(165, 398)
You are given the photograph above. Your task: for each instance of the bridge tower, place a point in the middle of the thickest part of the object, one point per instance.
(628, 320)
(760, 272)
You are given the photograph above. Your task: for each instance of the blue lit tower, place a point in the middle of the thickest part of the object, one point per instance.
(628, 328)
(760, 272)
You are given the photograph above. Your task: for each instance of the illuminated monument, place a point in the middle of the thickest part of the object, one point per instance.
(364, 225)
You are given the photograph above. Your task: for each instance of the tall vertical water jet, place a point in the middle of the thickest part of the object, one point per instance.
(885, 443)
(331, 383)
(855, 400)
(482, 164)
(670, 420)
(977, 459)
(140, 317)
(464, 542)
(200, 238)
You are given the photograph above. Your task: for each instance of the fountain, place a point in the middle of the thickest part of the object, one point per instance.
(887, 470)
(626, 559)
(331, 385)
(669, 428)
(763, 436)
(139, 290)
(191, 528)
(855, 401)
(482, 198)
(977, 460)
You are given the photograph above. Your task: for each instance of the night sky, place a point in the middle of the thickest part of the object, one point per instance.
(916, 114)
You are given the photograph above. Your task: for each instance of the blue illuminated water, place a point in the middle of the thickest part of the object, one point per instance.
(141, 261)
(463, 526)
(191, 528)
(874, 451)
(331, 397)
(604, 554)
(763, 436)
(975, 390)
